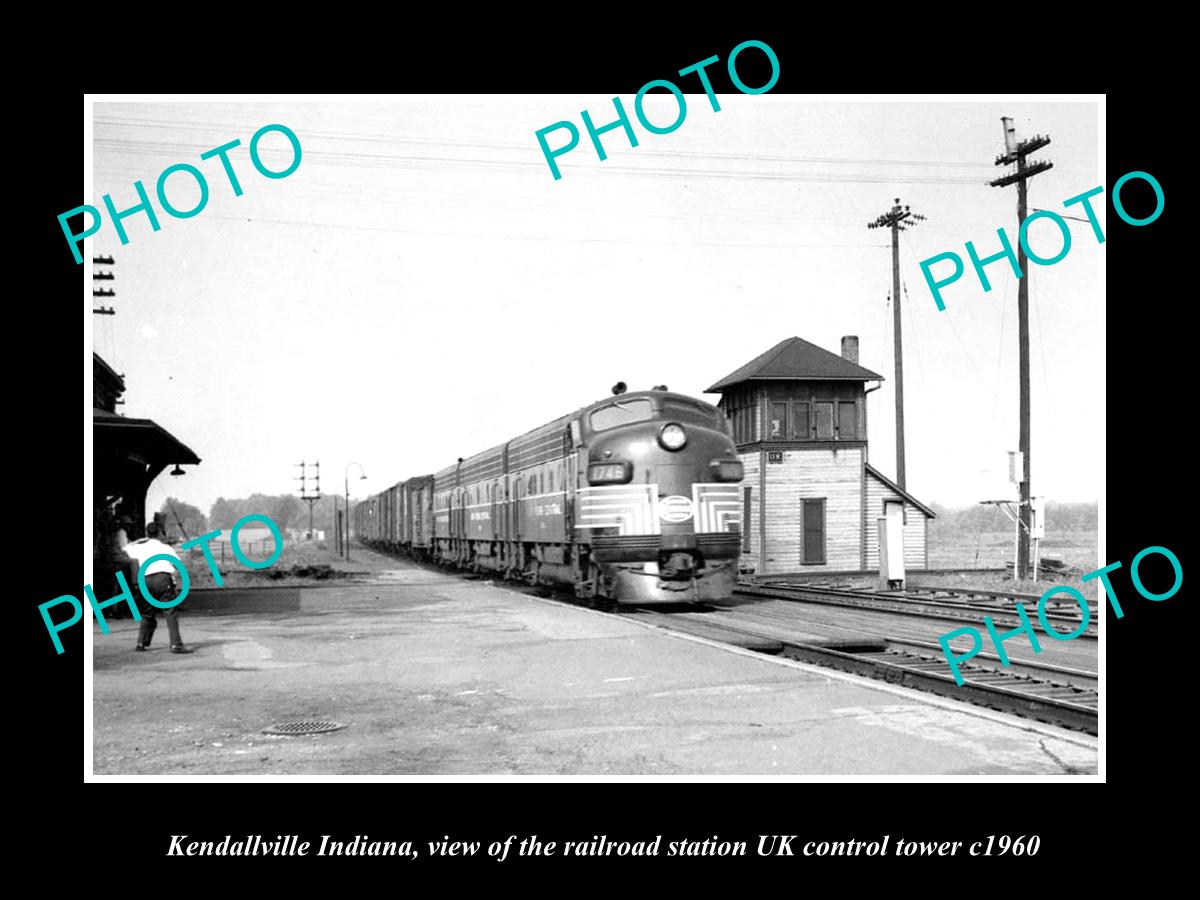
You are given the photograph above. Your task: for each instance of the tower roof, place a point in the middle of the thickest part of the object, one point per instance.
(796, 360)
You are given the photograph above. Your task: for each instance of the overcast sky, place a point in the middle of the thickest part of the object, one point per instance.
(421, 288)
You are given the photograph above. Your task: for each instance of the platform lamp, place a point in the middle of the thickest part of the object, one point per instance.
(177, 470)
(361, 477)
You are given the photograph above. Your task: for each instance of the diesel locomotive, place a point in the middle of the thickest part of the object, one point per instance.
(633, 499)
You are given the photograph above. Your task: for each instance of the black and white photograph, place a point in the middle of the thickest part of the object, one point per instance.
(706, 432)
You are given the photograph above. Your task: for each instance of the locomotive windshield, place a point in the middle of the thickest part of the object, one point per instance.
(621, 413)
(679, 405)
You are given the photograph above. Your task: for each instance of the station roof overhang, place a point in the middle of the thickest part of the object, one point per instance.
(144, 439)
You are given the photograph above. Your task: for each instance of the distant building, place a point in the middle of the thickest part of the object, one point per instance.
(811, 501)
(301, 534)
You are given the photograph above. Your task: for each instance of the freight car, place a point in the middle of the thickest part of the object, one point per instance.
(633, 499)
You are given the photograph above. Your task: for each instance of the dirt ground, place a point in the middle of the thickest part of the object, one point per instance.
(302, 562)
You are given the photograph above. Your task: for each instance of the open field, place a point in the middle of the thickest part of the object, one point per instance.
(951, 548)
(302, 562)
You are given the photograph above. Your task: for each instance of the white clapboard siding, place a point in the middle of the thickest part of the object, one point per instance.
(916, 554)
(835, 475)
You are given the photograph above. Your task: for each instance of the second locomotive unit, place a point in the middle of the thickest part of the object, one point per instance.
(633, 499)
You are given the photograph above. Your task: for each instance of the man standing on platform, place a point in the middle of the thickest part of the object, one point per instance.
(160, 582)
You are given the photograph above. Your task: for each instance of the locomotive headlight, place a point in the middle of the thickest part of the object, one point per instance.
(672, 436)
(609, 473)
(727, 470)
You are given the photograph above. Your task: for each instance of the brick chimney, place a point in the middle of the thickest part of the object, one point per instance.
(850, 348)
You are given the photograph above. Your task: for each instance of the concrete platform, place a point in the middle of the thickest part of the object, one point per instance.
(435, 675)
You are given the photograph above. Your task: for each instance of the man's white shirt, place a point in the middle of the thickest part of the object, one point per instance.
(145, 548)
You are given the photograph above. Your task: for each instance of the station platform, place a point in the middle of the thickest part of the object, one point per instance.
(436, 675)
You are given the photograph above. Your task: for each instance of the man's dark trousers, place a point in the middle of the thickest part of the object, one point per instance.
(161, 588)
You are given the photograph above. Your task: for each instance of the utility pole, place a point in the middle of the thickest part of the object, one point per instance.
(898, 219)
(337, 526)
(1015, 152)
(314, 500)
(362, 477)
(103, 310)
(309, 496)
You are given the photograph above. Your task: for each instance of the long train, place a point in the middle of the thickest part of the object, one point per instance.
(633, 499)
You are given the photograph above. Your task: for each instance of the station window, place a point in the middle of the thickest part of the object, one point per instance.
(824, 421)
(778, 422)
(847, 421)
(800, 424)
(739, 425)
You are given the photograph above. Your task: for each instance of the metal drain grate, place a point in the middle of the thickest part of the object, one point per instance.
(303, 727)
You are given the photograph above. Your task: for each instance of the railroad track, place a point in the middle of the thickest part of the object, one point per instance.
(963, 605)
(1057, 695)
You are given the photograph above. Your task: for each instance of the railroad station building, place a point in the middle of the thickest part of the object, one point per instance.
(127, 455)
(811, 501)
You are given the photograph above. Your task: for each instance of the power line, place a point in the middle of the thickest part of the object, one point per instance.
(1000, 353)
(912, 329)
(390, 161)
(1037, 309)
(529, 237)
(224, 127)
(950, 321)
(1061, 215)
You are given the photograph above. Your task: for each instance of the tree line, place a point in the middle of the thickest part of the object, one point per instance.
(1060, 517)
(185, 521)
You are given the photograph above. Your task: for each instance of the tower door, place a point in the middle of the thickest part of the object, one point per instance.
(812, 532)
